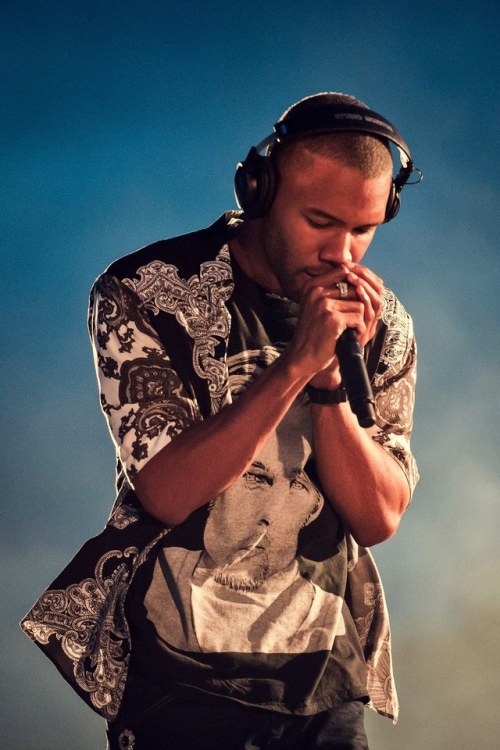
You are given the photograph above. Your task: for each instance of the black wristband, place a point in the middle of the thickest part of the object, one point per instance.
(325, 396)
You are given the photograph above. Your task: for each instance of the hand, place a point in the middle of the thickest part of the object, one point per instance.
(369, 289)
(325, 315)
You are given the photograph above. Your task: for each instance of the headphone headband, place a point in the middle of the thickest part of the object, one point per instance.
(341, 117)
(256, 179)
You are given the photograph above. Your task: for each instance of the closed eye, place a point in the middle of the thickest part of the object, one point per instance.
(319, 224)
(325, 221)
(364, 230)
(322, 221)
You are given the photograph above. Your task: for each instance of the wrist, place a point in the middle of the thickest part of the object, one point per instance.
(326, 395)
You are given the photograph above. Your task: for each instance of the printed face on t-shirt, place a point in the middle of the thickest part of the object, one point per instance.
(252, 530)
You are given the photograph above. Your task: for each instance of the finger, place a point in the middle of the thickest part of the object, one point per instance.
(373, 285)
(324, 308)
(370, 305)
(368, 287)
(346, 313)
(341, 297)
(372, 315)
(328, 279)
(365, 273)
(346, 291)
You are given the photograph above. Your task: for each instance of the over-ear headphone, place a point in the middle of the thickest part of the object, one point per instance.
(256, 178)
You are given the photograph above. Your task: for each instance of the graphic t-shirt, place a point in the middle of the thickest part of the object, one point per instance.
(245, 600)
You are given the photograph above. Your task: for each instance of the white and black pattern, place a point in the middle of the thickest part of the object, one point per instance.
(85, 618)
(123, 515)
(198, 305)
(117, 309)
(248, 365)
(141, 394)
(394, 387)
(399, 331)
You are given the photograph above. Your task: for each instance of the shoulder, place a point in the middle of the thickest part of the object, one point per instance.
(188, 277)
(186, 252)
(394, 313)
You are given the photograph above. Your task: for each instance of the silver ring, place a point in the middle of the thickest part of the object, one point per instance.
(343, 289)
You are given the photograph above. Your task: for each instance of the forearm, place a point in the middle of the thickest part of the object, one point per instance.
(210, 456)
(362, 481)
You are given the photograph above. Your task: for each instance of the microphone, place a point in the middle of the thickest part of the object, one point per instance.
(355, 377)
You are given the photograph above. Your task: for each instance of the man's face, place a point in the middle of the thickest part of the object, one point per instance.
(253, 527)
(324, 215)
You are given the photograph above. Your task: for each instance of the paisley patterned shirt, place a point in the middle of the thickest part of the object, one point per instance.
(161, 323)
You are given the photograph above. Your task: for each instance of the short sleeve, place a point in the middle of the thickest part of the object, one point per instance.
(142, 396)
(394, 387)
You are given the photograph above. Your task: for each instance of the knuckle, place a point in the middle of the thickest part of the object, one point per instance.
(317, 292)
(311, 293)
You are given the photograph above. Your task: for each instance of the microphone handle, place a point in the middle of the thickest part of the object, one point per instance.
(355, 377)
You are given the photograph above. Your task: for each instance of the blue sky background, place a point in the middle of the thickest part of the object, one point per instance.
(121, 124)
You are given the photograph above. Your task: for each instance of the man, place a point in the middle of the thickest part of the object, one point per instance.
(234, 566)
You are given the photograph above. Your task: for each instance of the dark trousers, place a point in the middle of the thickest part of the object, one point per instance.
(178, 724)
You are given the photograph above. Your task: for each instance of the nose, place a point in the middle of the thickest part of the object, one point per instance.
(337, 248)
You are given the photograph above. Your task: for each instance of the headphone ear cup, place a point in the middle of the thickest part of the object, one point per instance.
(255, 184)
(393, 203)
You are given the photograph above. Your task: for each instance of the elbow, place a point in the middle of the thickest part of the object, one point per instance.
(159, 504)
(383, 523)
(378, 530)
(160, 511)
(167, 517)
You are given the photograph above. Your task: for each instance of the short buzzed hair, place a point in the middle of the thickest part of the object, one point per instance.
(369, 154)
